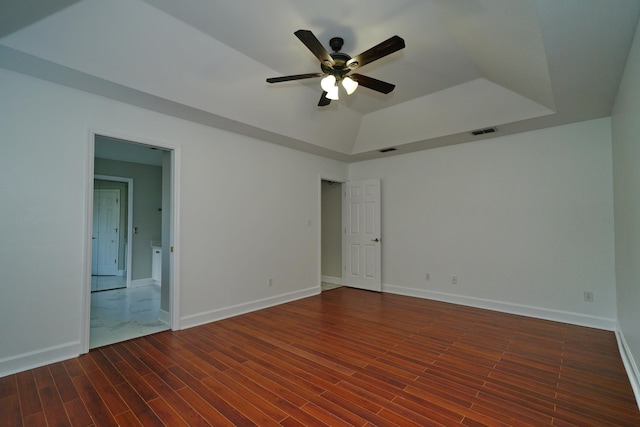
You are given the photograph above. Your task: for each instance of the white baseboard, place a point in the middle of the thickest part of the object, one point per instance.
(35, 359)
(164, 317)
(331, 279)
(143, 282)
(235, 310)
(506, 307)
(629, 364)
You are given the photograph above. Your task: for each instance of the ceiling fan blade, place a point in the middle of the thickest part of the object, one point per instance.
(324, 101)
(374, 84)
(383, 49)
(294, 77)
(312, 43)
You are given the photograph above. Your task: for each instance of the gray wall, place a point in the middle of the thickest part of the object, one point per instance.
(525, 222)
(147, 200)
(626, 178)
(166, 232)
(249, 212)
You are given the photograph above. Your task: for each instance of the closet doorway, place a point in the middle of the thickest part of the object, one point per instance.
(331, 263)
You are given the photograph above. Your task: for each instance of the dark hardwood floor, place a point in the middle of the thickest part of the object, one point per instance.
(346, 357)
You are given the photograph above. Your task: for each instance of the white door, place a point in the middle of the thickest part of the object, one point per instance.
(361, 243)
(106, 223)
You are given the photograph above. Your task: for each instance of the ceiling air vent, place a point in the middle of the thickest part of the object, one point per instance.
(386, 150)
(483, 131)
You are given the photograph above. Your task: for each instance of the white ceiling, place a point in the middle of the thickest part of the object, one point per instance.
(468, 64)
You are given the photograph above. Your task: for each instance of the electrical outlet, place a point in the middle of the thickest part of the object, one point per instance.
(454, 280)
(270, 282)
(588, 296)
(427, 277)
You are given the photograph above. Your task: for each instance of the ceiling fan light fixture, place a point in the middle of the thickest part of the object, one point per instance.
(335, 66)
(332, 93)
(349, 85)
(328, 83)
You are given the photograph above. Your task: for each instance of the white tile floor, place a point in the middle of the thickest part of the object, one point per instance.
(101, 283)
(122, 314)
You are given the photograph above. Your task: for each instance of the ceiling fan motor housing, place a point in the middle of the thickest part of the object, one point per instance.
(336, 43)
(339, 68)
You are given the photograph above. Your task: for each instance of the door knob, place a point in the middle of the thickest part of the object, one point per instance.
(375, 240)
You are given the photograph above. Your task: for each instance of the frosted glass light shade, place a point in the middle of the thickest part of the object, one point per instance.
(349, 85)
(332, 93)
(327, 83)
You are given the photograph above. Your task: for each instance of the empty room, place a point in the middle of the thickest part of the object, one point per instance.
(481, 241)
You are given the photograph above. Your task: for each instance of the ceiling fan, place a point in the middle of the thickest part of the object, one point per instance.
(337, 66)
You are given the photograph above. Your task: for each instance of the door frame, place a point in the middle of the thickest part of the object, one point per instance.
(174, 228)
(129, 182)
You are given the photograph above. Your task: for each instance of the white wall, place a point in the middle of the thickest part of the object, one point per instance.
(626, 158)
(525, 222)
(244, 210)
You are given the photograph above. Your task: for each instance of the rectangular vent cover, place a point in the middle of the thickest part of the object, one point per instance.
(483, 131)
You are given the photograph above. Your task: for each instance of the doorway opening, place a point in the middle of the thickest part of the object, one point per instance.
(331, 264)
(131, 246)
(362, 235)
(357, 221)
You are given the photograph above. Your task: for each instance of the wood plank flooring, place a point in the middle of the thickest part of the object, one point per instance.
(343, 358)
